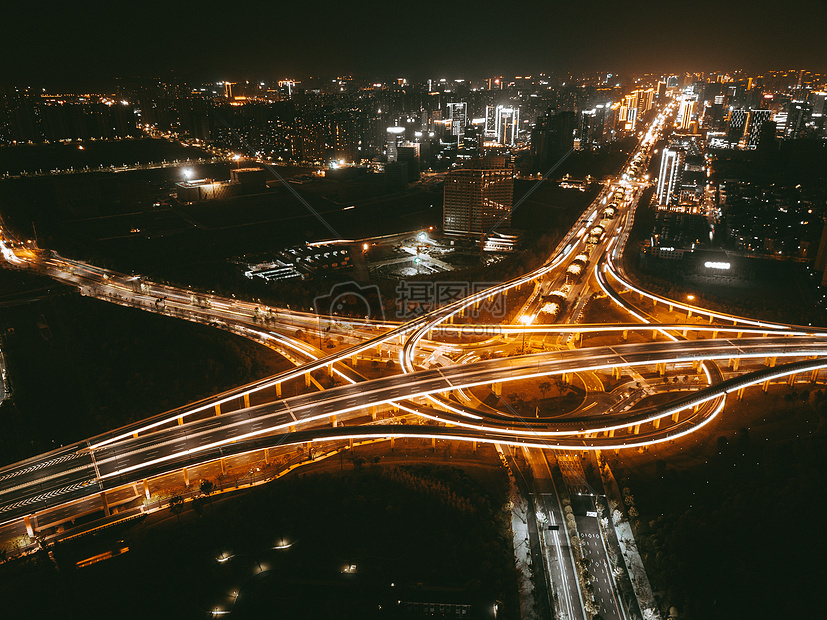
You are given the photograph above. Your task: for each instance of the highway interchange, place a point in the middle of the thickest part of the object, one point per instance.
(433, 386)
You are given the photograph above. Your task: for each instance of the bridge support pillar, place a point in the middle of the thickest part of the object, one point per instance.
(291, 428)
(654, 302)
(307, 379)
(217, 409)
(695, 364)
(710, 319)
(656, 423)
(566, 378)
(278, 390)
(330, 371)
(186, 476)
(814, 375)
(670, 308)
(246, 401)
(676, 416)
(266, 456)
(433, 444)
(616, 372)
(106, 510)
(686, 331)
(791, 380)
(734, 363)
(393, 441)
(497, 388)
(353, 361)
(654, 334)
(145, 485)
(740, 334)
(27, 521)
(379, 350)
(180, 420)
(636, 429)
(474, 446)
(770, 362)
(373, 413)
(662, 369)
(766, 385)
(740, 394)
(714, 334)
(689, 314)
(334, 421)
(625, 334)
(350, 444)
(611, 433)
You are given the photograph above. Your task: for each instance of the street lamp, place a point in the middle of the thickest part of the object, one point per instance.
(526, 320)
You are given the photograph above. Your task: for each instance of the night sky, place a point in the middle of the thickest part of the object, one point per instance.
(87, 43)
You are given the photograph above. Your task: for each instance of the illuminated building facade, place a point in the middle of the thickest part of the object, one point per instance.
(669, 179)
(458, 115)
(395, 137)
(756, 119)
(478, 197)
(502, 124)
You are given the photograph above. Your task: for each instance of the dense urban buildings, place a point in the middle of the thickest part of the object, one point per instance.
(361, 311)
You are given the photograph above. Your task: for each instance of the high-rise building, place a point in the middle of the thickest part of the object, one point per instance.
(458, 115)
(502, 124)
(798, 114)
(507, 125)
(753, 131)
(819, 103)
(669, 179)
(551, 138)
(586, 129)
(737, 125)
(628, 111)
(685, 113)
(478, 197)
(645, 101)
(491, 121)
(394, 137)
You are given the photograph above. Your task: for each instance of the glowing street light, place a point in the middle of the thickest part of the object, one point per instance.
(187, 173)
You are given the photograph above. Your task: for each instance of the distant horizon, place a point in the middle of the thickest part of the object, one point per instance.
(86, 44)
(102, 83)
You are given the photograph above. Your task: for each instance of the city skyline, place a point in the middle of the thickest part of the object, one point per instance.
(478, 310)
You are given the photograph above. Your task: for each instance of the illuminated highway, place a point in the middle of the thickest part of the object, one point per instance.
(436, 376)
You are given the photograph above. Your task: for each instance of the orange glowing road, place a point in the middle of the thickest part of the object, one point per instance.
(186, 437)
